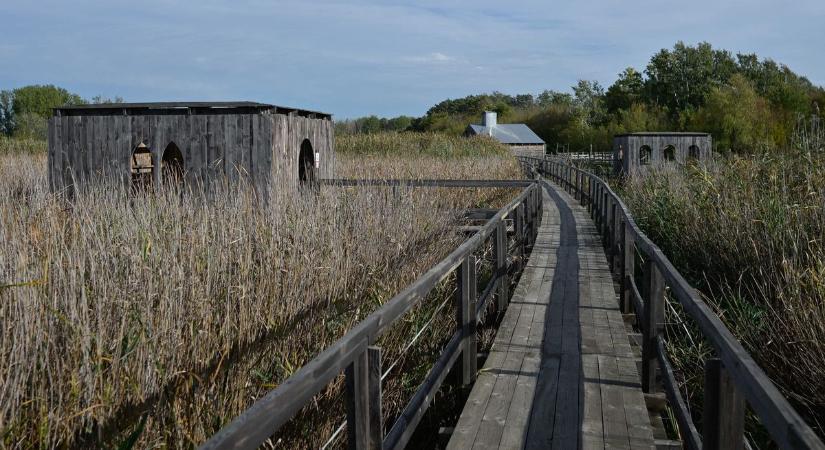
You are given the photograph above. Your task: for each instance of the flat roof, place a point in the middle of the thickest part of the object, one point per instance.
(664, 133)
(182, 107)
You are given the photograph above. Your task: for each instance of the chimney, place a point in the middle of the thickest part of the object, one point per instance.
(489, 119)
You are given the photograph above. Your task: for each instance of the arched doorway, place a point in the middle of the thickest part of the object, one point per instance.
(142, 168)
(644, 155)
(171, 165)
(693, 153)
(306, 164)
(669, 153)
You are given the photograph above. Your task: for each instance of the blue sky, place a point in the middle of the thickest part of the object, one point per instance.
(358, 57)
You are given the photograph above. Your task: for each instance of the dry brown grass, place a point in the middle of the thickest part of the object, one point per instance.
(748, 232)
(176, 312)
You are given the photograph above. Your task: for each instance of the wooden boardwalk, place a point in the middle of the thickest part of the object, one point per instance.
(561, 373)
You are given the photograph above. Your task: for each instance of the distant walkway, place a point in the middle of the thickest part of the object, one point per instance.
(561, 373)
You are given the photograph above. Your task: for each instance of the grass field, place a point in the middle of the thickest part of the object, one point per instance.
(152, 321)
(748, 233)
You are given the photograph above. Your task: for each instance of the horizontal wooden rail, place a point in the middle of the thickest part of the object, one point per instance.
(785, 426)
(354, 352)
(430, 183)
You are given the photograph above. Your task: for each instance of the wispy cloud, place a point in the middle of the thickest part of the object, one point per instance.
(435, 57)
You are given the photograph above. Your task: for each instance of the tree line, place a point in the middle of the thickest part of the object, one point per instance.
(24, 112)
(748, 104)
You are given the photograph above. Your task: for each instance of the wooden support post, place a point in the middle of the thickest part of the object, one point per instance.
(608, 226)
(605, 225)
(723, 417)
(467, 297)
(577, 189)
(363, 398)
(653, 322)
(599, 199)
(614, 237)
(501, 267)
(590, 196)
(628, 267)
(518, 234)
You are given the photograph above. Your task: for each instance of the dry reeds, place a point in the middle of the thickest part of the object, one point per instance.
(748, 232)
(158, 318)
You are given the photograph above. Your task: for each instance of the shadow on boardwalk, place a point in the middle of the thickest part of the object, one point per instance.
(561, 373)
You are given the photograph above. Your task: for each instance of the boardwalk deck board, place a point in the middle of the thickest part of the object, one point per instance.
(561, 372)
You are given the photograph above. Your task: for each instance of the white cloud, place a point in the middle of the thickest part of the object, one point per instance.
(435, 57)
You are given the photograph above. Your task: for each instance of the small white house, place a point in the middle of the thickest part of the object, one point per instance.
(518, 136)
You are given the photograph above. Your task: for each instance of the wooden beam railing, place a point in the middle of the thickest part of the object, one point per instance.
(731, 379)
(356, 355)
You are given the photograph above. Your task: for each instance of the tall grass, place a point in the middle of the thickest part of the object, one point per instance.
(12, 146)
(748, 233)
(153, 320)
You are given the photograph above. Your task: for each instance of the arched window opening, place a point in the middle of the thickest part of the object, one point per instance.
(142, 168)
(693, 153)
(172, 165)
(306, 164)
(644, 155)
(670, 153)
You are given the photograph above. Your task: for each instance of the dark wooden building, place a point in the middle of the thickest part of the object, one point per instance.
(197, 143)
(633, 151)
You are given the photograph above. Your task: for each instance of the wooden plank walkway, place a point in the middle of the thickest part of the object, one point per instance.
(561, 373)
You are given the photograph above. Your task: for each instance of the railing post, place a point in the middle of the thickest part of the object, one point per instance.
(501, 267)
(466, 312)
(608, 226)
(723, 416)
(605, 225)
(363, 398)
(590, 185)
(628, 266)
(653, 322)
(577, 189)
(617, 236)
(518, 233)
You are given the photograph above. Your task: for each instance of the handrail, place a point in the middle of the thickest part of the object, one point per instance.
(730, 380)
(427, 183)
(353, 353)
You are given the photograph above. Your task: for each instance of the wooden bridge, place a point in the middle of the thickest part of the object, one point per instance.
(562, 371)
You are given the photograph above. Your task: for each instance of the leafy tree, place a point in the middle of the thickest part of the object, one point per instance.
(41, 100)
(626, 91)
(739, 118)
(24, 111)
(642, 117)
(6, 112)
(588, 97)
(680, 79)
(31, 126)
(100, 100)
(547, 98)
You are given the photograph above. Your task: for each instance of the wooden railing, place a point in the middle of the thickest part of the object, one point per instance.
(731, 378)
(355, 353)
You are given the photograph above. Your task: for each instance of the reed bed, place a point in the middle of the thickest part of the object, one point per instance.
(748, 233)
(151, 320)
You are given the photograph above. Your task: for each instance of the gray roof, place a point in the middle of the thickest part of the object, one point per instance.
(510, 133)
(182, 108)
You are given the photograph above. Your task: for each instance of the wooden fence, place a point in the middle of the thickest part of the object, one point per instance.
(355, 353)
(732, 378)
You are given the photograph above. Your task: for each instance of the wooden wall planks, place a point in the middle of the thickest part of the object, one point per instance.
(261, 147)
